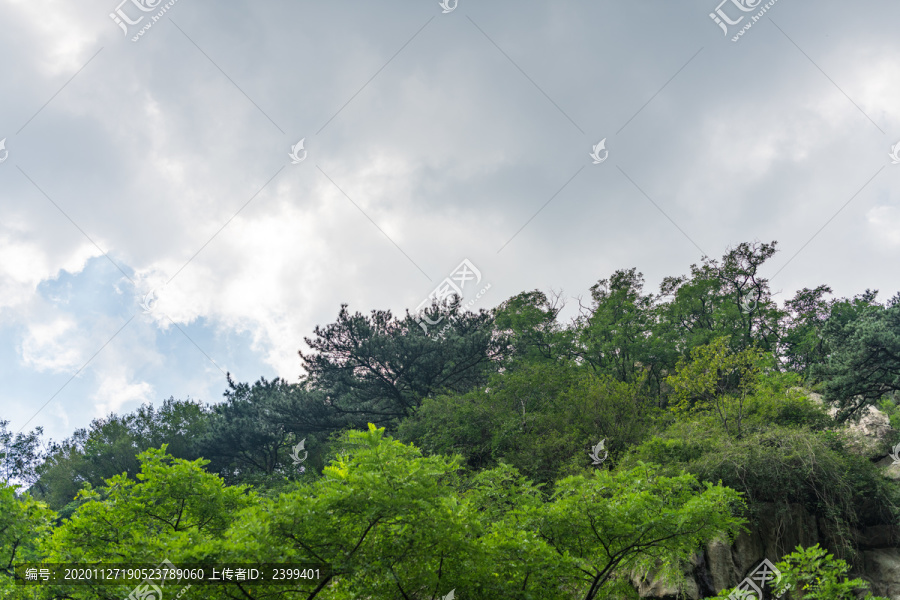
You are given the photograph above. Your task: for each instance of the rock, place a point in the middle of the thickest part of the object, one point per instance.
(890, 467)
(881, 568)
(720, 566)
(866, 437)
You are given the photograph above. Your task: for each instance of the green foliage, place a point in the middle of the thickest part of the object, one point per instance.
(542, 419)
(527, 331)
(111, 447)
(616, 335)
(777, 401)
(23, 523)
(613, 524)
(173, 511)
(393, 523)
(717, 380)
(864, 364)
(379, 368)
(802, 340)
(890, 405)
(813, 574)
(250, 436)
(20, 455)
(726, 298)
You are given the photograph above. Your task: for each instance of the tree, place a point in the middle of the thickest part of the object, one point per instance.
(814, 574)
(717, 380)
(396, 524)
(616, 334)
(110, 446)
(528, 332)
(610, 524)
(864, 360)
(20, 454)
(727, 298)
(249, 435)
(379, 368)
(802, 342)
(23, 523)
(172, 510)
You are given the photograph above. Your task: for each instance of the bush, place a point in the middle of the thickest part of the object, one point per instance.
(813, 574)
(788, 408)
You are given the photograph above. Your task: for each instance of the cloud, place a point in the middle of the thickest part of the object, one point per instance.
(431, 138)
(116, 390)
(885, 224)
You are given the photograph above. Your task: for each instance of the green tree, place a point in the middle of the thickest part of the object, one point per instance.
(110, 446)
(172, 511)
(615, 336)
(802, 342)
(249, 436)
(24, 522)
(718, 380)
(396, 524)
(778, 467)
(611, 524)
(528, 331)
(379, 368)
(543, 419)
(864, 360)
(20, 454)
(727, 298)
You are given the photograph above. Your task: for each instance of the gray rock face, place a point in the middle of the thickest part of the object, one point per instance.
(882, 569)
(722, 566)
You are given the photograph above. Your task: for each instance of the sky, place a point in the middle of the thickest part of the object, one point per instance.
(188, 188)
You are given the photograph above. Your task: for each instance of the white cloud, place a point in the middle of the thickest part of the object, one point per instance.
(885, 224)
(56, 345)
(116, 390)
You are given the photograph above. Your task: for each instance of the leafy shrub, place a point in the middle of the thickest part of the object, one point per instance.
(788, 408)
(813, 574)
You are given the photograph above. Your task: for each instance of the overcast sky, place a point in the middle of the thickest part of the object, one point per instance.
(431, 135)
